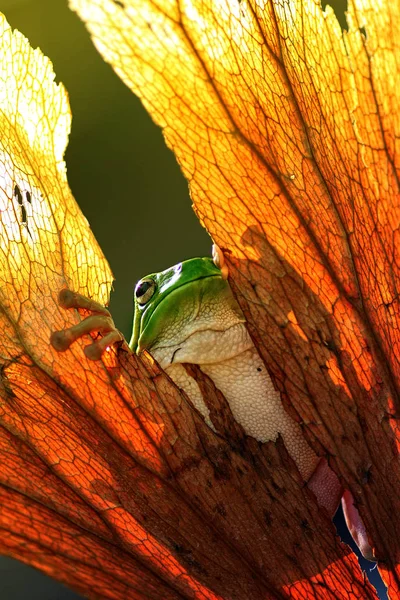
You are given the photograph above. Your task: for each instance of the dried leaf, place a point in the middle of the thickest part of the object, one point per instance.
(109, 481)
(287, 130)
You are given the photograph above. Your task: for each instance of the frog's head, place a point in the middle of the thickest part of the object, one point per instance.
(173, 305)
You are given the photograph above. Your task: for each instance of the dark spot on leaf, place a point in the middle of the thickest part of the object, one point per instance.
(330, 345)
(24, 218)
(366, 475)
(291, 558)
(6, 383)
(17, 194)
(267, 518)
(220, 509)
(221, 465)
(187, 556)
(221, 471)
(23, 214)
(178, 547)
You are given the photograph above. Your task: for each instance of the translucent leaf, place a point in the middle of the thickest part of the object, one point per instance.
(109, 481)
(287, 130)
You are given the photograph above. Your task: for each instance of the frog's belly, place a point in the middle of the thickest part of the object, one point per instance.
(257, 406)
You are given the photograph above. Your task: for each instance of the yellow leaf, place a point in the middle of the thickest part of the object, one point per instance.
(45, 241)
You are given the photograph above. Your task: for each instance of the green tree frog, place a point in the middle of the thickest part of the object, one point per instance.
(188, 314)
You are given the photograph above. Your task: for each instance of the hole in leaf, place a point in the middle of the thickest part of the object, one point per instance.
(339, 8)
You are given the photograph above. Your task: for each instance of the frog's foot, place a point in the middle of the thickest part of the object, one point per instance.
(100, 321)
(325, 484)
(356, 526)
(219, 261)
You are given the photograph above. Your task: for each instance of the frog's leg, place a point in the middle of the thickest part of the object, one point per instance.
(100, 321)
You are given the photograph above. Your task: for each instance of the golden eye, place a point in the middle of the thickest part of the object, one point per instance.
(144, 290)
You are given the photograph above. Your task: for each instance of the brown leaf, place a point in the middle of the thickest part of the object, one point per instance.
(287, 130)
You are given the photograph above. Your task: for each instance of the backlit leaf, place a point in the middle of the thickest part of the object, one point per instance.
(109, 481)
(287, 130)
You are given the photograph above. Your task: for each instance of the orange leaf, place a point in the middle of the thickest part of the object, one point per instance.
(287, 130)
(109, 480)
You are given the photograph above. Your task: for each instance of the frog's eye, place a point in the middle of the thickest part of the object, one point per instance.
(144, 290)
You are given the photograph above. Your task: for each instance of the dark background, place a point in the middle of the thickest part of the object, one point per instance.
(124, 178)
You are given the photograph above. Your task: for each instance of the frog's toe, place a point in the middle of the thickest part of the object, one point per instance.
(96, 350)
(66, 298)
(62, 340)
(69, 299)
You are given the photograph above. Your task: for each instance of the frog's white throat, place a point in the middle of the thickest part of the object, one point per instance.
(204, 346)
